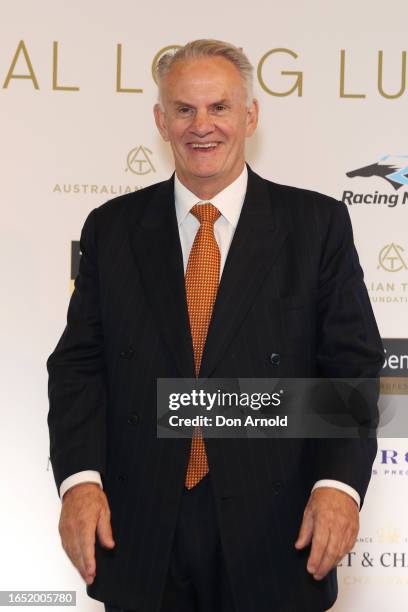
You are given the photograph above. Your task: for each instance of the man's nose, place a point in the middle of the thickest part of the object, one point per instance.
(202, 124)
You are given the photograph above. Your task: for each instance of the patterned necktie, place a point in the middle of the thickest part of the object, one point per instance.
(202, 278)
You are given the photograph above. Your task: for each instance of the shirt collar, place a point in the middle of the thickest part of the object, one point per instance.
(229, 201)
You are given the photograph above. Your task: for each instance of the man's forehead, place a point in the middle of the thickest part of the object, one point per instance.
(203, 78)
(203, 70)
(209, 62)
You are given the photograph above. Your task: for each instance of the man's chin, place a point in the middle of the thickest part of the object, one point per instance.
(198, 175)
(206, 175)
(206, 171)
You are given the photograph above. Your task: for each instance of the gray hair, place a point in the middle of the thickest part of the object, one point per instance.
(207, 47)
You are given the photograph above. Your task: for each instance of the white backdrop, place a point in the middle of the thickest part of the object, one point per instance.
(66, 151)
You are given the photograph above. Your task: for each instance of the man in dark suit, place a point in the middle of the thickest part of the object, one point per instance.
(216, 272)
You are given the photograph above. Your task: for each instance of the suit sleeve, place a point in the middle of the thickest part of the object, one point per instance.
(77, 377)
(348, 346)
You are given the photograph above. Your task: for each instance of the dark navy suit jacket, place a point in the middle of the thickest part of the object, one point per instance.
(292, 286)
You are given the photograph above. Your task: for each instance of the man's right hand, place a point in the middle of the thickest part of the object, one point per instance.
(85, 512)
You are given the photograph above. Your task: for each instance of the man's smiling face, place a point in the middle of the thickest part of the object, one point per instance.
(206, 118)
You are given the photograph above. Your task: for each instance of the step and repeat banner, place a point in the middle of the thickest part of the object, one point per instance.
(76, 98)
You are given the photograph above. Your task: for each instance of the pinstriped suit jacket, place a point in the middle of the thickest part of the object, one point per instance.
(292, 285)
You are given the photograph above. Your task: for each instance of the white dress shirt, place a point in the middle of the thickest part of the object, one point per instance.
(229, 202)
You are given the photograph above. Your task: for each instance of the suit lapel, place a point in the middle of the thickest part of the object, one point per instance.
(155, 241)
(156, 244)
(258, 238)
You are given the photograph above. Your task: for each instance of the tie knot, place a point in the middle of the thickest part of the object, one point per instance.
(205, 212)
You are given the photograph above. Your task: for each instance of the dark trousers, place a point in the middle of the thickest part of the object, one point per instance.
(197, 579)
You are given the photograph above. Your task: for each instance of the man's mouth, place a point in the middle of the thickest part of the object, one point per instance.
(204, 145)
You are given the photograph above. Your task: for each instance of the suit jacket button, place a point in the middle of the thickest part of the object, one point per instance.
(277, 485)
(133, 418)
(127, 353)
(275, 359)
(122, 477)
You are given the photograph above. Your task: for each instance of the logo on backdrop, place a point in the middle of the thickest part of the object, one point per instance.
(375, 554)
(390, 258)
(393, 170)
(396, 357)
(394, 375)
(139, 161)
(279, 71)
(391, 461)
(389, 283)
(382, 548)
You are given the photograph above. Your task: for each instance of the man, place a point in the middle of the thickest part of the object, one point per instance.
(213, 273)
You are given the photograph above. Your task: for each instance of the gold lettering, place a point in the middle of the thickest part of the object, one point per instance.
(119, 87)
(298, 85)
(55, 85)
(403, 76)
(343, 93)
(31, 76)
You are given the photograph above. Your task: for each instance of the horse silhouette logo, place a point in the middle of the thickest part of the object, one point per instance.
(392, 168)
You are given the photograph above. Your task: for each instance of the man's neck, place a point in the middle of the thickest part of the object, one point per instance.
(207, 188)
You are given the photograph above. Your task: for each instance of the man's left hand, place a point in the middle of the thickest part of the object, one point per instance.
(330, 523)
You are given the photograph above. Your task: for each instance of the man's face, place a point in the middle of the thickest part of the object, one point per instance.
(205, 118)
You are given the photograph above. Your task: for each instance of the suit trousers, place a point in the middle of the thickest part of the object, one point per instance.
(197, 579)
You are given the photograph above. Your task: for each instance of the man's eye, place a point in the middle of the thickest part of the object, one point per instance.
(184, 110)
(220, 107)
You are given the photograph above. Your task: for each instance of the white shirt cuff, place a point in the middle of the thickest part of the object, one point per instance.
(79, 478)
(342, 486)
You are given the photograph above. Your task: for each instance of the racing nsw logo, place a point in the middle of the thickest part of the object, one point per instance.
(392, 168)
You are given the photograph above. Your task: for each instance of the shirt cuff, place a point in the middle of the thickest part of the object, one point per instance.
(341, 486)
(80, 478)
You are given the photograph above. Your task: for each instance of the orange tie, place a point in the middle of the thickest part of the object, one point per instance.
(202, 278)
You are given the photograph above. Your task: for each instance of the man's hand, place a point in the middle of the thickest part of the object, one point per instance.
(85, 510)
(331, 523)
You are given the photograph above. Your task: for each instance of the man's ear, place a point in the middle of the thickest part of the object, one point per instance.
(160, 120)
(252, 117)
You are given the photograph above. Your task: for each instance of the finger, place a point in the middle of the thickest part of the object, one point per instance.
(330, 557)
(73, 550)
(104, 530)
(79, 543)
(306, 531)
(347, 542)
(87, 548)
(81, 560)
(320, 540)
(342, 539)
(352, 536)
(70, 544)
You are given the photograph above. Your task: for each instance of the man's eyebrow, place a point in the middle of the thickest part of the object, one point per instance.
(181, 103)
(223, 101)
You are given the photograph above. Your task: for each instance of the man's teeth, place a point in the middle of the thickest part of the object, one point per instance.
(206, 145)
